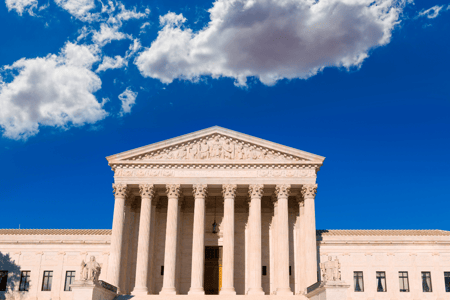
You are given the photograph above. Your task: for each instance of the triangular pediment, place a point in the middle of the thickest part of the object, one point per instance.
(215, 144)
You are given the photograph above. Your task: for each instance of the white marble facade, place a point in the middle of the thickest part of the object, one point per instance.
(261, 195)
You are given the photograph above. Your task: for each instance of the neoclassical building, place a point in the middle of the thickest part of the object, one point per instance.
(217, 212)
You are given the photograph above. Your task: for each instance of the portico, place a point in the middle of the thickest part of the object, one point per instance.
(167, 195)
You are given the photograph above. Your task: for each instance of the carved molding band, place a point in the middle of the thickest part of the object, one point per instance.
(256, 190)
(282, 190)
(147, 190)
(309, 190)
(216, 147)
(229, 190)
(120, 189)
(200, 190)
(219, 172)
(173, 190)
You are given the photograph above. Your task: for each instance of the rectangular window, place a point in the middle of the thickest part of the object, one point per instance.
(47, 281)
(3, 280)
(381, 281)
(290, 273)
(358, 281)
(404, 281)
(264, 270)
(426, 282)
(70, 278)
(447, 281)
(162, 270)
(24, 281)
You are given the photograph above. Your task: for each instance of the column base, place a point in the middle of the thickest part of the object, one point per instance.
(196, 291)
(284, 292)
(228, 291)
(168, 291)
(256, 291)
(140, 291)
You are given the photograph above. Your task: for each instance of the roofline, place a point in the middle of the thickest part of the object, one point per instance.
(207, 131)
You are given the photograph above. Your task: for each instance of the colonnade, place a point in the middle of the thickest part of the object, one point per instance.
(305, 240)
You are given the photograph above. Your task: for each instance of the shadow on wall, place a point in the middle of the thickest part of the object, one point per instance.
(319, 239)
(9, 278)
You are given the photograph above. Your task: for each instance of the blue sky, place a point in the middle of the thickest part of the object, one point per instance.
(363, 83)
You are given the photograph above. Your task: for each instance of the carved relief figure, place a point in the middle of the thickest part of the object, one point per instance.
(182, 152)
(228, 150)
(216, 149)
(239, 151)
(330, 270)
(204, 150)
(193, 150)
(90, 270)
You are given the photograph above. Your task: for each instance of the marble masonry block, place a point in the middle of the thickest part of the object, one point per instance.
(328, 290)
(89, 290)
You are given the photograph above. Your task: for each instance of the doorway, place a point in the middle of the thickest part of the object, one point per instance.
(213, 270)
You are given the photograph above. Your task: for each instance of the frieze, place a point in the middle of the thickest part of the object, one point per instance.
(270, 173)
(216, 147)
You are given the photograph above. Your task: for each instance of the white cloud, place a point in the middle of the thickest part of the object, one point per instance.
(22, 5)
(56, 90)
(431, 13)
(107, 34)
(111, 63)
(128, 98)
(79, 9)
(270, 39)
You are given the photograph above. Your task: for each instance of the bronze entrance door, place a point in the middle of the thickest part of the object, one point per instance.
(213, 270)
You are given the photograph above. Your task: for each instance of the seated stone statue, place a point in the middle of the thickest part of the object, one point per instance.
(90, 270)
(331, 270)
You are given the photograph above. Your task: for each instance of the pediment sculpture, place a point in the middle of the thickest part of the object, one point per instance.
(331, 270)
(216, 147)
(90, 270)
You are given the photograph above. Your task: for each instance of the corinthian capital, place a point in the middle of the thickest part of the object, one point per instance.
(282, 190)
(200, 190)
(147, 190)
(256, 190)
(229, 190)
(173, 190)
(309, 190)
(120, 189)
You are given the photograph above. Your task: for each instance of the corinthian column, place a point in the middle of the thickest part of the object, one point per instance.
(120, 192)
(255, 194)
(300, 269)
(198, 243)
(229, 193)
(170, 255)
(309, 234)
(282, 191)
(147, 192)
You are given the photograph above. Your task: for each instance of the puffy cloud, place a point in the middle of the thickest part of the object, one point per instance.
(22, 5)
(270, 39)
(107, 34)
(432, 12)
(128, 98)
(79, 9)
(56, 90)
(111, 63)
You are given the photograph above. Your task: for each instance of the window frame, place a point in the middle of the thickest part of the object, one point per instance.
(382, 277)
(68, 288)
(3, 274)
(24, 285)
(430, 286)
(401, 276)
(355, 277)
(447, 284)
(47, 279)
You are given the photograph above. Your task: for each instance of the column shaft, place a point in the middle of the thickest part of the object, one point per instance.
(310, 255)
(256, 192)
(170, 256)
(143, 251)
(301, 265)
(229, 193)
(120, 191)
(282, 192)
(198, 243)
